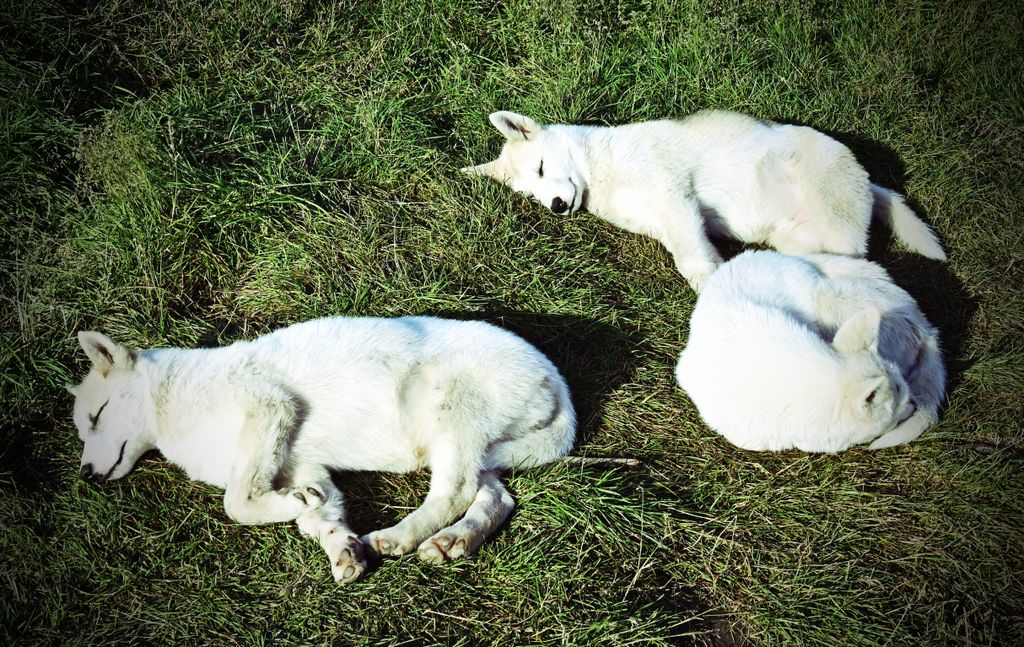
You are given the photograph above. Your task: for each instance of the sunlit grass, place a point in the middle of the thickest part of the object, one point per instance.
(180, 173)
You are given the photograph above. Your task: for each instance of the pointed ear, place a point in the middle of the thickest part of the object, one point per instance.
(859, 333)
(515, 127)
(105, 353)
(496, 169)
(868, 392)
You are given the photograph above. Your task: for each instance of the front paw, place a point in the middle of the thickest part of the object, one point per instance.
(696, 273)
(310, 496)
(697, 281)
(347, 555)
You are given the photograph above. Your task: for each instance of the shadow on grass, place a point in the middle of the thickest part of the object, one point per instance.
(23, 460)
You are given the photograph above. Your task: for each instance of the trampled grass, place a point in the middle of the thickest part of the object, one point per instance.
(181, 173)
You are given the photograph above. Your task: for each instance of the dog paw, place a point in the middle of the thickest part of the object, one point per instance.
(347, 555)
(388, 542)
(696, 272)
(444, 546)
(697, 280)
(310, 496)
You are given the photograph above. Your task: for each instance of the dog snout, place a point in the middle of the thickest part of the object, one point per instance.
(558, 205)
(90, 475)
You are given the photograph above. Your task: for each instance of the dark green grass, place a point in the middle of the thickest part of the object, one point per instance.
(180, 173)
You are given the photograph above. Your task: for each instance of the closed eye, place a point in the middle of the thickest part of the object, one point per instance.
(540, 171)
(95, 419)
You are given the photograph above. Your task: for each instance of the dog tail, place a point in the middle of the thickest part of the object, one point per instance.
(910, 229)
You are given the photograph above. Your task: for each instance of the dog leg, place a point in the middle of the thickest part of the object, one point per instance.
(326, 523)
(907, 431)
(453, 486)
(683, 233)
(271, 423)
(493, 504)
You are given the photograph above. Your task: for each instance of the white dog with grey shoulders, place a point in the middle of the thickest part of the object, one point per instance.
(818, 353)
(727, 174)
(268, 419)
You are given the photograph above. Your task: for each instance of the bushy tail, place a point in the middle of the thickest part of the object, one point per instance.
(910, 229)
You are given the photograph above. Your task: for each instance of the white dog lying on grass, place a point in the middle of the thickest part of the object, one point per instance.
(717, 172)
(267, 419)
(818, 353)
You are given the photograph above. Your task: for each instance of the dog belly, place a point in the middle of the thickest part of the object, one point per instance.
(730, 213)
(364, 436)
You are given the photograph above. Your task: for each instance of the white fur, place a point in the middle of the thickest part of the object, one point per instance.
(716, 172)
(266, 419)
(817, 353)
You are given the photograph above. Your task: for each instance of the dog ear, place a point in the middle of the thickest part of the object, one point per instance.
(105, 353)
(859, 333)
(870, 392)
(72, 389)
(515, 127)
(496, 169)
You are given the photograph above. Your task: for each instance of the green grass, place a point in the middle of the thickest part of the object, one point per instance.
(182, 173)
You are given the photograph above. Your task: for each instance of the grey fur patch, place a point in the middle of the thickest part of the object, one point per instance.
(457, 395)
(162, 390)
(405, 383)
(556, 405)
(282, 455)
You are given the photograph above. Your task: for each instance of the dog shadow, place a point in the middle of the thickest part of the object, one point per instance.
(24, 463)
(594, 357)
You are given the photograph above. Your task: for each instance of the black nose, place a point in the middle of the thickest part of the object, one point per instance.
(558, 205)
(87, 473)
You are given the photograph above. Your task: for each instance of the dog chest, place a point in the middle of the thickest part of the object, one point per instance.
(204, 443)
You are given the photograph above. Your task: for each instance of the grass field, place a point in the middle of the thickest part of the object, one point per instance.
(184, 173)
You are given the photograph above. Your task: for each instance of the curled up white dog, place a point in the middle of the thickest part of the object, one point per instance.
(817, 353)
(727, 174)
(268, 419)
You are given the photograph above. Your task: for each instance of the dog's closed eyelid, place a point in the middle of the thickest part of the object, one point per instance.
(540, 171)
(94, 419)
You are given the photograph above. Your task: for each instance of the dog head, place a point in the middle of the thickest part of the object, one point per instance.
(113, 409)
(875, 395)
(535, 160)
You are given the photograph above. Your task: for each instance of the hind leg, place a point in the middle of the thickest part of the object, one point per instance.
(813, 198)
(454, 467)
(492, 505)
(806, 234)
